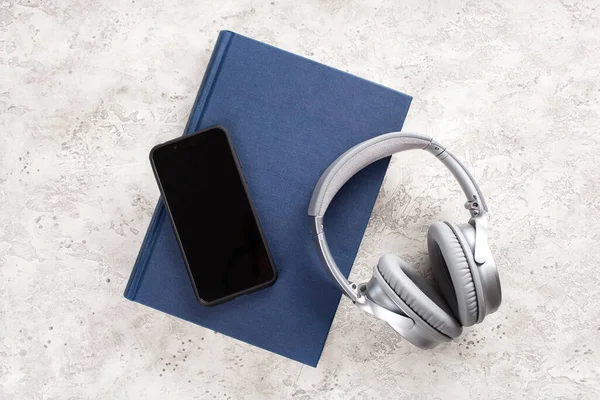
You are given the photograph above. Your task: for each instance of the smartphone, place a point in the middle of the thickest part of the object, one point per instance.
(215, 222)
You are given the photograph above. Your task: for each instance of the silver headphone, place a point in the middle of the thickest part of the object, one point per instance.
(461, 260)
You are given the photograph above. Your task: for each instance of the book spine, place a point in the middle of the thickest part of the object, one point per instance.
(193, 124)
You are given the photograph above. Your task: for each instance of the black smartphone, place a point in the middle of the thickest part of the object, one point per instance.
(215, 222)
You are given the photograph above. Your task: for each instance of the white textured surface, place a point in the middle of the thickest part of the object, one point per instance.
(87, 87)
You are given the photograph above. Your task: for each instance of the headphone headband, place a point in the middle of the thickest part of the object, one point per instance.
(363, 154)
(359, 157)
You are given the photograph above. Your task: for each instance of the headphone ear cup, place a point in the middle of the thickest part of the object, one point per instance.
(418, 294)
(451, 263)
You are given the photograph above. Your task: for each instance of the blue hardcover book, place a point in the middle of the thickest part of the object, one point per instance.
(289, 118)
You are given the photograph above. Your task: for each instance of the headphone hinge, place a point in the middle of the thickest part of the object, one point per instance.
(474, 206)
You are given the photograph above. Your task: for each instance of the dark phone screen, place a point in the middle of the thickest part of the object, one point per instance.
(212, 213)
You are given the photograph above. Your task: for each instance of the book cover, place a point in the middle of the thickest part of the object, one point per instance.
(289, 118)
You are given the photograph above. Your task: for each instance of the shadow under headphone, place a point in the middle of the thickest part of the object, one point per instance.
(468, 285)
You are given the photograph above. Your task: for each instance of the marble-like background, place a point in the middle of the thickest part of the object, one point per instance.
(88, 87)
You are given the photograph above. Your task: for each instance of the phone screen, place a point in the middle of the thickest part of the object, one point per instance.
(216, 225)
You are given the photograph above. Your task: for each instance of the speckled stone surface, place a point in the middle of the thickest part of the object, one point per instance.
(88, 87)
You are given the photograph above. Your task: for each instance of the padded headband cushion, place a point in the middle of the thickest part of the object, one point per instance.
(418, 294)
(451, 271)
(357, 158)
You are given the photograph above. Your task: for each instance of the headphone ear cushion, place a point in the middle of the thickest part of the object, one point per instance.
(418, 294)
(451, 265)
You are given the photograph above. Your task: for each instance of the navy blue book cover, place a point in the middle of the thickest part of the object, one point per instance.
(289, 118)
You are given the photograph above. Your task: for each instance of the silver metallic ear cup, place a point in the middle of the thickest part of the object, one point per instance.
(376, 292)
(418, 294)
(420, 334)
(452, 265)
